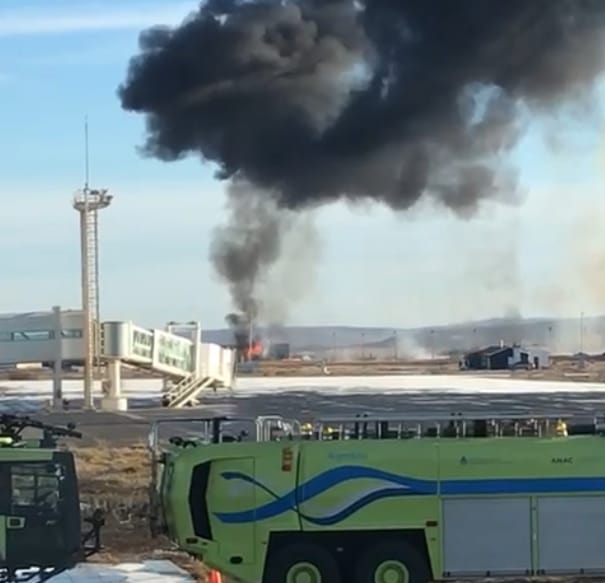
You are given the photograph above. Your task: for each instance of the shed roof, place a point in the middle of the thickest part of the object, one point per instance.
(489, 350)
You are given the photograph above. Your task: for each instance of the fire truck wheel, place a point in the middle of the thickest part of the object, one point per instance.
(302, 563)
(392, 562)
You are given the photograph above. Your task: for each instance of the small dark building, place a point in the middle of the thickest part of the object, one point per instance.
(279, 351)
(489, 358)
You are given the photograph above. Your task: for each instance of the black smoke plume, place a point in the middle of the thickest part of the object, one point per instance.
(240, 327)
(244, 249)
(311, 101)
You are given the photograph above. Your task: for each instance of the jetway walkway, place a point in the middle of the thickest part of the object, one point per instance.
(188, 366)
(54, 338)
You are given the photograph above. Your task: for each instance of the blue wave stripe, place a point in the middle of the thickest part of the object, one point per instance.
(355, 506)
(279, 505)
(315, 486)
(407, 487)
(250, 480)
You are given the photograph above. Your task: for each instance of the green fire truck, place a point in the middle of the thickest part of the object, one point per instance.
(383, 499)
(40, 519)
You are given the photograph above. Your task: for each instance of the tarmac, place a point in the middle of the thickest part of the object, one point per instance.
(304, 398)
(133, 426)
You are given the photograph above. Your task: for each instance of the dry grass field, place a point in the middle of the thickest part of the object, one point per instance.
(116, 479)
(563, 367)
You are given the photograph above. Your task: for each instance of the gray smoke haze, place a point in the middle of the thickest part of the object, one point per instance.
(311, 101)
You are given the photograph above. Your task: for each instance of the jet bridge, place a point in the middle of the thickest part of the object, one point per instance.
(188, 365)
(54, 338)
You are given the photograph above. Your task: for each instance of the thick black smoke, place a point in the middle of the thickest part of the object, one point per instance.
(391, 100)
(240, 327)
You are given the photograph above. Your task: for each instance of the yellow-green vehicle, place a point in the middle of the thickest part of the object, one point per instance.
(40, 520)
(393, 499)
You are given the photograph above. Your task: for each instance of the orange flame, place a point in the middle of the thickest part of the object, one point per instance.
(255, 350)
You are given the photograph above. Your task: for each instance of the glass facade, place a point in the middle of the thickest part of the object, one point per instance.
(36, 335)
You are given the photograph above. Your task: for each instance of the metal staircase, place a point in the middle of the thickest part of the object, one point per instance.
(186, 391)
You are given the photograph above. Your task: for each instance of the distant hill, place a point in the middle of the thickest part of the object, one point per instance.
(560, 335)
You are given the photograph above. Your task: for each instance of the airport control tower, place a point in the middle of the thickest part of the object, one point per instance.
(88, 202)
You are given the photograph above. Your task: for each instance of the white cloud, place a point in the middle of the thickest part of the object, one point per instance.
(73, 18)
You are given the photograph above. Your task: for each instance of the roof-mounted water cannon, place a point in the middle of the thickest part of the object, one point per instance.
(12, 427)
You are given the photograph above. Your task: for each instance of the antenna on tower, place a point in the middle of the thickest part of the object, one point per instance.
(86, 166)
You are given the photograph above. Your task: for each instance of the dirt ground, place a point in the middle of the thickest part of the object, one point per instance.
(563, 367)
(116, 479)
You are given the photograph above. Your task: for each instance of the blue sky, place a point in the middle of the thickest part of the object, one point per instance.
(64, 59)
